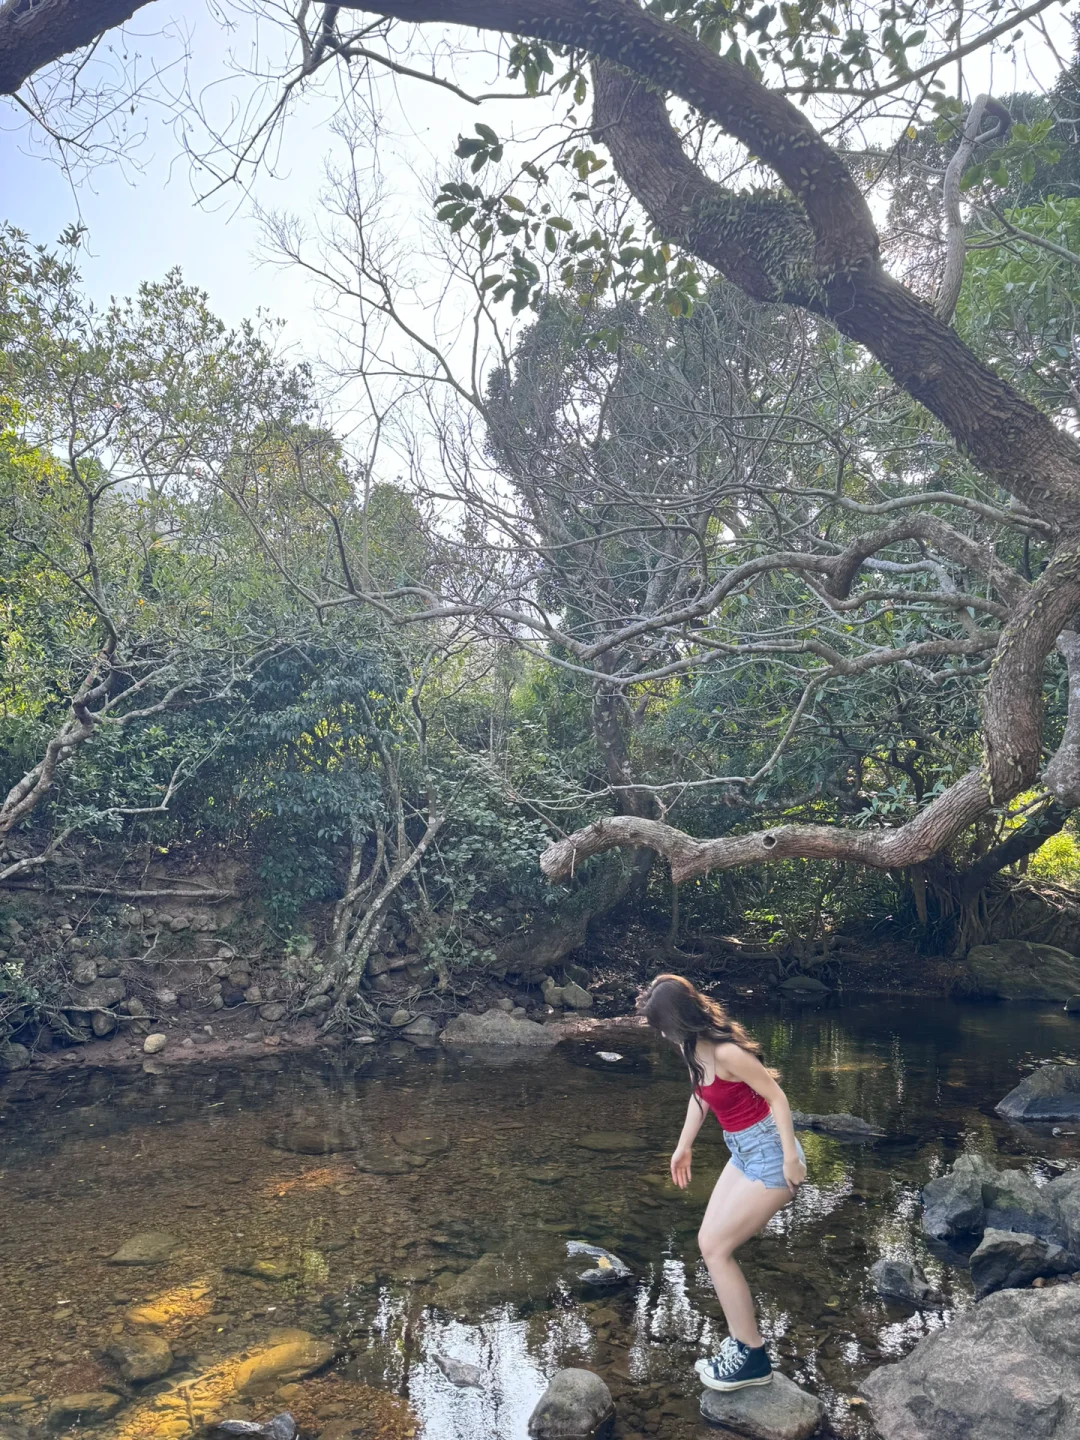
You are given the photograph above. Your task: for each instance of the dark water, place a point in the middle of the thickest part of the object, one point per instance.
(451, 1239)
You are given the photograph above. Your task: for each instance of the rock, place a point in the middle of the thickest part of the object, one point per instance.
(272, 1012)
(608, 1270)
(103, 1023)
(577, 998)
(806, 984)
(1064, 1194)
(422, 1142)
(304, 1138)
(504, 1004)
(281, 1427)
(165, 998)
(141, 1357)
(253, 995)
(904, 1281)
(611, 1142)
(14, 1056)
(101, 995)
(150, 1247)
(494, 1279)
(495, 1027)
(1006, 1368)
(262, 1269)
(577, 973)
(155, 1043)
(425, 1028)
(1014, 1202)
(458, 1373)
(399, 1019)
(954, 1201)
(780, 1411)
(316, 1005)
(841, 1125)
(133, 1007)
(1009, 1259)
(291, 1359)
(86, 1409)
(15, 1400)
(576, 1405)
(1052, 1092)
(84, 971)
(231, 995)
(1022, 970)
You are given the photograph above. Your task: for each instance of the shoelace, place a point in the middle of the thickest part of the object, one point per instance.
(728, 1360)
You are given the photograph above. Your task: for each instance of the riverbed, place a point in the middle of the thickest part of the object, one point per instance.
(402, 1205)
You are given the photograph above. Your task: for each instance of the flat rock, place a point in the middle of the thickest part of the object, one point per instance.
(292, 1359)
(804, 985)
(84, 1409)
(780, 1411)
(1009, 1259)
(281, 1427)
(904, 1281)
(841, 1125)
(611, 1142)
(385, 1158)
(458, 1372)
(150, 1247)
(1007, 1369)
(307, 1138)
(421, 1142)
(1022, 970)
(262, 1269)
(141, 1357)
(576, 1405)
(495, 1027)
(1052, 1092)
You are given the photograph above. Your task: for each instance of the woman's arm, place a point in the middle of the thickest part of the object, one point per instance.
(744, 1066)
(680, 1161)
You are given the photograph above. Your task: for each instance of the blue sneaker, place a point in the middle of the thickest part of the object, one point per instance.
(735, 1367)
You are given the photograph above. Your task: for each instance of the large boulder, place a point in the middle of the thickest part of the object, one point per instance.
(903, 1281)
(953, 1202)
(974, 1196)
(576, 1405)
(14, 1057)
(780, 1411)
(1022, 970)
(495, 1027)
(1007, 1368)
(1052, 1092)
(1064, 1194)
(1009, 1259)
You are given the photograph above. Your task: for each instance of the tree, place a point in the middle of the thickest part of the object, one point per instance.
(809, 243)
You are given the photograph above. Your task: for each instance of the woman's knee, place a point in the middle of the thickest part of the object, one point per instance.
(714, 1245)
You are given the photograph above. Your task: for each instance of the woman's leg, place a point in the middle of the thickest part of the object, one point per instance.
(738, 1208)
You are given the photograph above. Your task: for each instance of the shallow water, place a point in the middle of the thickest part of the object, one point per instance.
(452, 1239)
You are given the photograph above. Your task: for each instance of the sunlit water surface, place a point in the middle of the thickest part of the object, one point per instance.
(451, 1240)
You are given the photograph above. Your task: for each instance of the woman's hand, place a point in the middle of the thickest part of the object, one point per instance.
(680, 1166)
(794, 1173)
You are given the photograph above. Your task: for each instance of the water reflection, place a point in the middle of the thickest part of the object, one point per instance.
(409, 1206)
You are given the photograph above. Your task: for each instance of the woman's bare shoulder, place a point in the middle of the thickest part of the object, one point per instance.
(730, 1059)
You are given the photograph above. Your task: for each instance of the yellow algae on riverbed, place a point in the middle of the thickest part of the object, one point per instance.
(323, 1177)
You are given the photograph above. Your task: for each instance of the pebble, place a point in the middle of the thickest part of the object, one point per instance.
(155, 1043)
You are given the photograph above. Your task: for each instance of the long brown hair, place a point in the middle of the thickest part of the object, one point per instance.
(683, 1014)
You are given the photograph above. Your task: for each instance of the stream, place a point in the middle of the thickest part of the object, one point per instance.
(402, 1205)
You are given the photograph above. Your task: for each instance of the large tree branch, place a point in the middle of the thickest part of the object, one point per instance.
(34, 33)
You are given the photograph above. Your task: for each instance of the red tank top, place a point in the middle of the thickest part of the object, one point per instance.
(734, 1103)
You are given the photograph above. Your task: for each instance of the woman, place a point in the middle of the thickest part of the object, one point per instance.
(767, 1162)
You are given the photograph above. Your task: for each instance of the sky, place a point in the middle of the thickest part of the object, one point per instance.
(144, 217)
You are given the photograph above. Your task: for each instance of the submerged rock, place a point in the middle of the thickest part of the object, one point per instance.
(306, 1138)
(281, 1427)
(141, 1357)
(495, 1027)
(576, 1405)
(150, 1247)
(608, 1270)
(779, 1411)
(1050, 1093)
(458, 1372)
(611, 1142)
(294, 1357)
(85, 1409)
(904, 1281)
(421, 1142)
(1023, 970)
(1009, 1259)
(262, 1269)
(841, 1126)
(1008, 1367)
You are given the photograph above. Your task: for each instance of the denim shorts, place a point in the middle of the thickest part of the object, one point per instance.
(758, 1153)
